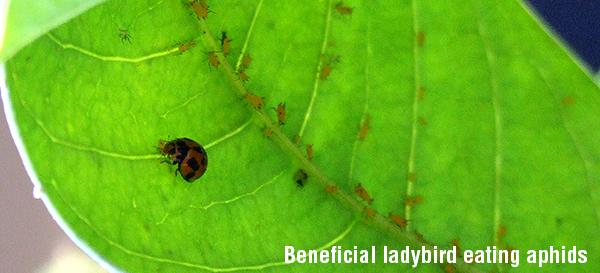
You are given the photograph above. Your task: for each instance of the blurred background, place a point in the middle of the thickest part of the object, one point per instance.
(30, 240)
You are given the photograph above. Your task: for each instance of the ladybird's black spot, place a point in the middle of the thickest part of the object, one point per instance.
(193, 163)
(205, 161)
(189, 176)
(181, 144)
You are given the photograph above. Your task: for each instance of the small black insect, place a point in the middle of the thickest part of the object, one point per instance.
(124, 36)
(300, 178)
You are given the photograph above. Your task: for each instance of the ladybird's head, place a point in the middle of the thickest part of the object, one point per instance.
(161, 147)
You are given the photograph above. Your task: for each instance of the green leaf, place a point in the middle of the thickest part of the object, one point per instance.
(26, 20)
(470, 106)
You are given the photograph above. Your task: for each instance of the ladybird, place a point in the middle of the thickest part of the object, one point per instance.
(190, 156)
(325, 72)
(255, 100)
(343, 10)
(400, 221)
(281, 113)
(124, 36)
(360, 191)
(225, 43)
(364, 129)
(300, 178)
(246, 62)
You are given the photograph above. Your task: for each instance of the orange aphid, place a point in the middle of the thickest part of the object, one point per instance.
(419, 236)
(246, 61)
(412, 177)
(342, 9)
(281, 115)
(421, 93)
(268, 132)
(212, 58)
(449, 268)
(420, 38)
(422, 120)
(501, 231)
(255, 100)
(510, 249)
(225, 43)
(297, 139)
(184, 47)
(370, 211)
(360, 191)
(325, 72)
(418, 200)
(568, 101)
(456, 243)
(331, 189)
(309, 151)
(201, 9)
(400, 221)
(364, 129)
(409, 201)
(244, 76)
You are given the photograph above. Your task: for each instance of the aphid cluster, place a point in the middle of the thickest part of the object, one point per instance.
(190, 156)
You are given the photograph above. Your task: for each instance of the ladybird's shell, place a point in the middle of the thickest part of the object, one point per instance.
(194, 164)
